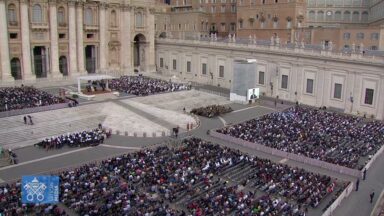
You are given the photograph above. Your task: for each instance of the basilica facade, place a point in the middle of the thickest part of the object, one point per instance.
(56, 39)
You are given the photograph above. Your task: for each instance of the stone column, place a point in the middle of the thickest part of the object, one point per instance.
(55, 71)
(25, 41)
(126, 61)
(150, 58)
(4, 46)
(80, 35)
(72, 39)
(103, 41)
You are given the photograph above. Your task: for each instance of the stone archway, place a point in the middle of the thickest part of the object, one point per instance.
(139, 51)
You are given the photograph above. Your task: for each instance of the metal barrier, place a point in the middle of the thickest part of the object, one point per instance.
(291, 156)
(347, 191)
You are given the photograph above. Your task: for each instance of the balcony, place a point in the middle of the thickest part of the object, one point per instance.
(91, 28)
(62, 25)
(13, 23)
(39, 26)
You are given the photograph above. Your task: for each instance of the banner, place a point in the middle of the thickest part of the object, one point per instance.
(40, 189)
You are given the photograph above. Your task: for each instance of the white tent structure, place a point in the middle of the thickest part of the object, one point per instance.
(93, 78)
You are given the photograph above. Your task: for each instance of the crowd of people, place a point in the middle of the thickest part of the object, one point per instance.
(78, 139)
(183, 180)
(211, 111)
(13, 98)
(326, 136)
(142, 86)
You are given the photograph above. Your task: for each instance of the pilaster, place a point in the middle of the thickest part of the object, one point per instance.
(4, 46)
(80, 37)
(73, 71)
(25, 42)
(103, 39)
(55, 72)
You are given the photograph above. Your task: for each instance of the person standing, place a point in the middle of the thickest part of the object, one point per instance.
(25, 119)
(364, 173)
(357, 184)
(371, 196)
(30, 119)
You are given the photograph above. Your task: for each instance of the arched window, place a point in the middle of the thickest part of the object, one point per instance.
(347, 16)
(88, 16)
(355, 16)
(37, 14)
(364, 16)
(338, 15)
(12, 18)
(312, 15)
(113, 18)
(139, 19)
(320, 15)
(61, 16)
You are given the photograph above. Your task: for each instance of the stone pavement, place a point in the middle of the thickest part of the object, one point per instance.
(135, 115)
(40, 161)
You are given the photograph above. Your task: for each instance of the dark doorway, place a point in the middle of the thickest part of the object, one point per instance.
(90, 59)
(40, 61)
(16, 69)
(139, 50)
(63, 65)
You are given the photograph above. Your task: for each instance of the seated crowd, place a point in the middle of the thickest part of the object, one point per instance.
(13, 98)
(189, 178)
(142, 86)
(78, 139)
(211, 111)
(318, 134)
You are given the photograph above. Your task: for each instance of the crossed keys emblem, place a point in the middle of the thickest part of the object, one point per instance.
(35, 188)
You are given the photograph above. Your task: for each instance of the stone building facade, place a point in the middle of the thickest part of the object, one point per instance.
(347, 24)
(352, 84)
(54, 39)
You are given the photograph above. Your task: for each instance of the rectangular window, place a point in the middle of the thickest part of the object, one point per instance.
(61, 36)
(233, 26)
(284, 81)
(204, 69)
(223, 9)
(174, 64)
(188, 66)
(13, 35)
(221, 71)
(347, 36)
(337, 91)
(261, 78)
(161, 62)
(369, 96)
(360, 35)
(233, 8)
(309, 88)
(375, 36)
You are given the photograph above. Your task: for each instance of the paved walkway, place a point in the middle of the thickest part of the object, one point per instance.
(146, 115)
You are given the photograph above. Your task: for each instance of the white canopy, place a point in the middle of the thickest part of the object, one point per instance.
(92, 78)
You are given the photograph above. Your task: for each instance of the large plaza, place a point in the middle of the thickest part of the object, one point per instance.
(178, 108)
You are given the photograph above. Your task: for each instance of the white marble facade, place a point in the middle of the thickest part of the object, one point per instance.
(352, 84)
(53, 39)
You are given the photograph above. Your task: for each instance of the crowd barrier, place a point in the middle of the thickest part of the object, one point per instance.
(32, 110)
(291, 156)
(346, 192)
